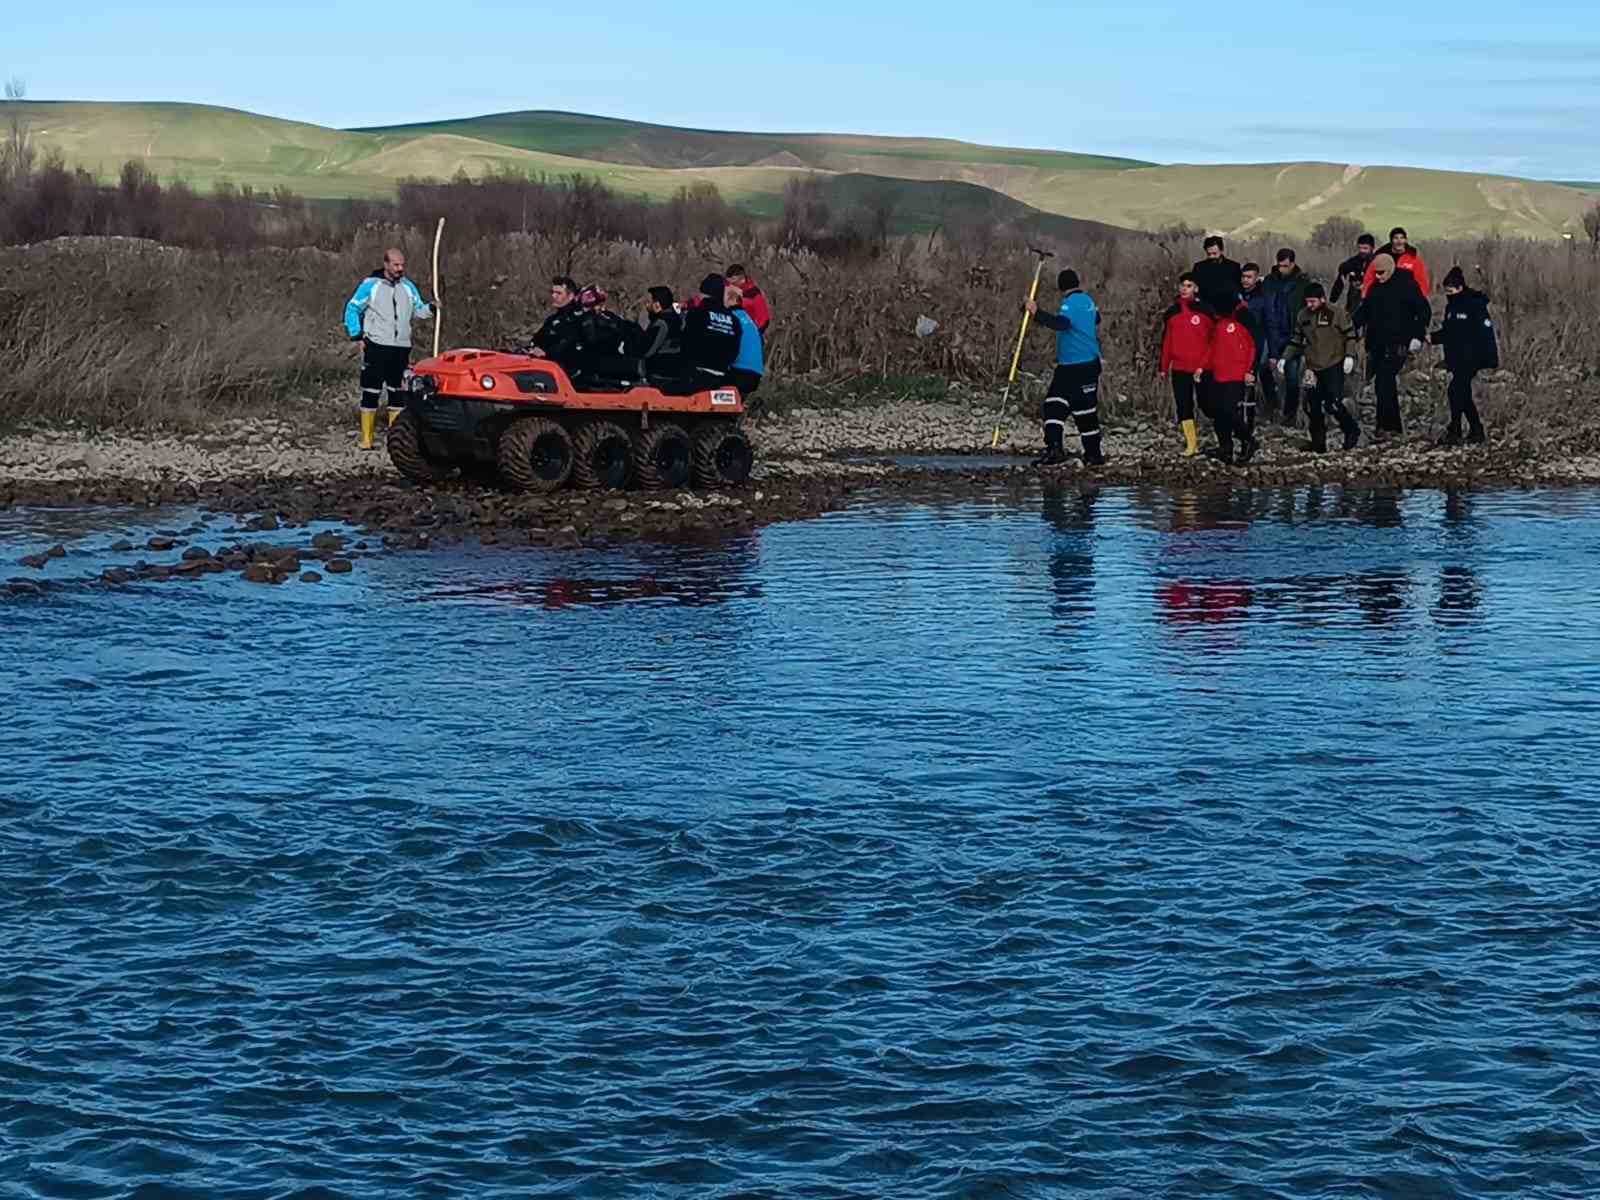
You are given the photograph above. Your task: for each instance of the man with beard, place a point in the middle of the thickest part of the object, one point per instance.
(1218, 277)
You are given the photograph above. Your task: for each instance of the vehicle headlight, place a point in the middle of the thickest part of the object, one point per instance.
(488, 383)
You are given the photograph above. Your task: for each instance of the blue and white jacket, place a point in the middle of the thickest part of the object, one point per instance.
(1077, 329)
(382, 312)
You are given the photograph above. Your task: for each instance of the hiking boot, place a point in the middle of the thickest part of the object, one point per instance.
(1247, 450)
(1052, 456)
(1452, 437)
(1475, 436)
(1351, 437)
(1097, 459)
(1318, 446)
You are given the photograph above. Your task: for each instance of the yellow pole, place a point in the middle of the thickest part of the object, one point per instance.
(437, 319)
(1016, 356)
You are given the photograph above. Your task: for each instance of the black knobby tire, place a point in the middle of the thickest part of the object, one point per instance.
(535, 455)
(665, 457)
(602, 455)
(410, 456)
(723, 456)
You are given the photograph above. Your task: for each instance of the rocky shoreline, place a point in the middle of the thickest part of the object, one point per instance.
(275, 475)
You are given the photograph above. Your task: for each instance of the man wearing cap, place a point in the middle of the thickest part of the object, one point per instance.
(1406, 257)
(1467, 336)
(1075, 386)
(1395, 316)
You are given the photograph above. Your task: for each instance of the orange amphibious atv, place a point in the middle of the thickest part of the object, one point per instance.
(482, 411)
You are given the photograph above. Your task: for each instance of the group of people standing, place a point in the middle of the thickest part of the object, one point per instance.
(716, 337)
(1234, 334)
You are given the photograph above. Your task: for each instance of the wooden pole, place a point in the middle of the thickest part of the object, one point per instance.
(438, 319)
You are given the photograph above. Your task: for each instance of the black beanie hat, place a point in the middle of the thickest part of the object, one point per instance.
(1317, 290)
(713, 286)
(1067, 280)
(1455, 277)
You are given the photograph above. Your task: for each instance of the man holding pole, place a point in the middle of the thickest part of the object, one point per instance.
(379, 317)
(1075, 386)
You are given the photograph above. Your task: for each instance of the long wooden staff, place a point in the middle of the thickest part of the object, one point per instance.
(438, 319)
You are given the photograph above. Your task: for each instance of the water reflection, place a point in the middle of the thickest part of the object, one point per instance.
(1070, 513)
(696, 576)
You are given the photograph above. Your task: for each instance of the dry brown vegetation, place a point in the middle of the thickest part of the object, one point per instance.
(111, 331)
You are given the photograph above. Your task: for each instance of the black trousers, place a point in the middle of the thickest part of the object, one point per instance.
(1386, 363)
(1225, 406)
(1293, 369)
(1184, 389)
(1075, 392)
(383, 366)
(1327, 399)
(1461, 404)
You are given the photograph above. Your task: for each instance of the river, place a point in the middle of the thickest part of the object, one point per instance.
(1115, 843)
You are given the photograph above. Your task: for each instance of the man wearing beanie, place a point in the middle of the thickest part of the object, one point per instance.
(1395, 316)
(1406, 257)
(1325, 339)
(710, 331)
(1075, 386)
(1467, 336)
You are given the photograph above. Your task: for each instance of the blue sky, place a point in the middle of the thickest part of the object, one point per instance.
(1467, 84)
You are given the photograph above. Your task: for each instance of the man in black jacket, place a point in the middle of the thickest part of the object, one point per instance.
(1467, 336)
(1395, 315)
(1218, 277)
(1351, 272)
(710, 333)
(561, 336)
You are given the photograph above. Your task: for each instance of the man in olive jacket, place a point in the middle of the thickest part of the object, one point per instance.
(1326, 341)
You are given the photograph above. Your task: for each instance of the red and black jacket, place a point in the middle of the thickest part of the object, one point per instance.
(1186, 341)
(1235, 346)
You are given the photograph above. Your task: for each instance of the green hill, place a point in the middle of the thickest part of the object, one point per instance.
(930, 178)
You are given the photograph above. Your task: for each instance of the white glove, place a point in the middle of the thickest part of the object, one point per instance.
(1309, 379)
(1415, 345)
(1349, 365)
(1279, 366)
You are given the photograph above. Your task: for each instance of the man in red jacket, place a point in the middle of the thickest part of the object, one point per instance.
(1185, 346)
(1231, 366)
(1406, 257)
(755, 300)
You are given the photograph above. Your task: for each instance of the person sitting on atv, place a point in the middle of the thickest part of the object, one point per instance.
(710, 334)
(560, 337)
(660, 346)
(605, 358)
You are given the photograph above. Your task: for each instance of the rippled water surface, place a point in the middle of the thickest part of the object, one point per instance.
(1125, 844)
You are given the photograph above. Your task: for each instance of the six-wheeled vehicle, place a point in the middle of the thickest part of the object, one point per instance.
(494, 413)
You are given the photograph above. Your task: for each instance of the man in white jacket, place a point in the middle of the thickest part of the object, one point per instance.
(379, 316)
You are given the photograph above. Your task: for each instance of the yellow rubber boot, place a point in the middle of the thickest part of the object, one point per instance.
(394, 414)
(1191, 443)
(369, 426)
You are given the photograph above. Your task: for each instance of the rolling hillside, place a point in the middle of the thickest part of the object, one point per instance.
(932, 178)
